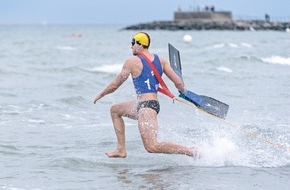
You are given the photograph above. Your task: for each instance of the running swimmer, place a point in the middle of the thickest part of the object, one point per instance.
(146, 108)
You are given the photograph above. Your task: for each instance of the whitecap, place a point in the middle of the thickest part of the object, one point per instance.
(219, 45)
(39, 121)
(246, 45)
(224, 69)
(277, 60)
(232, 45)
(116, 68)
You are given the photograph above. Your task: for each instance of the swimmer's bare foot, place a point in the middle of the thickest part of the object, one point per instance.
(117, 154)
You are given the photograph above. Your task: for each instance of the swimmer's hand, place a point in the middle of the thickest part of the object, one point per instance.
(97, 98)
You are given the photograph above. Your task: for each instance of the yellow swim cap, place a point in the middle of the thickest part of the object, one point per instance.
(142, 38)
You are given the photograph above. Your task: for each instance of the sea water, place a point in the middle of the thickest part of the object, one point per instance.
(53, 137)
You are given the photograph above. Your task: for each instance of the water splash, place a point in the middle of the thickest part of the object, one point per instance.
(220, 152)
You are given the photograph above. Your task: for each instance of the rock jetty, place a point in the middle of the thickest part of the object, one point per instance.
(235, 25)
(209, 20)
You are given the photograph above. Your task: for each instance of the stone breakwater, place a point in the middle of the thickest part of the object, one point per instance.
(235, 25)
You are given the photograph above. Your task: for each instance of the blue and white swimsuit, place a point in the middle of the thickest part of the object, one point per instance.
(146, 82)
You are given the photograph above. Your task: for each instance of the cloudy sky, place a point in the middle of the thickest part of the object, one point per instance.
(128, 11)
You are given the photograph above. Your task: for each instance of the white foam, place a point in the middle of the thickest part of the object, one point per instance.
(232, 45)
(116, 68)
(219, 45)
(224, 69)
(277, 60)
(246, 45)
(39, 121)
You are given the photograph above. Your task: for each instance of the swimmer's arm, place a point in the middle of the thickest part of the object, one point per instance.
(117, 82)
(169, 72)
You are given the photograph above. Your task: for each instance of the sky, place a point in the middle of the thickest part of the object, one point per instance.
(129, 11)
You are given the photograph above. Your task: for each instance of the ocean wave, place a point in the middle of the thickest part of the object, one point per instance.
(12, 110)
(17, 109)
(7, 94)
(231, 45)
(277, 60)
(74, 100)
(8, 150)
(66, 48)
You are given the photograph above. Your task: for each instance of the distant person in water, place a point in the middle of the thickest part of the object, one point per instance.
(267, 18)
(146, 108)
